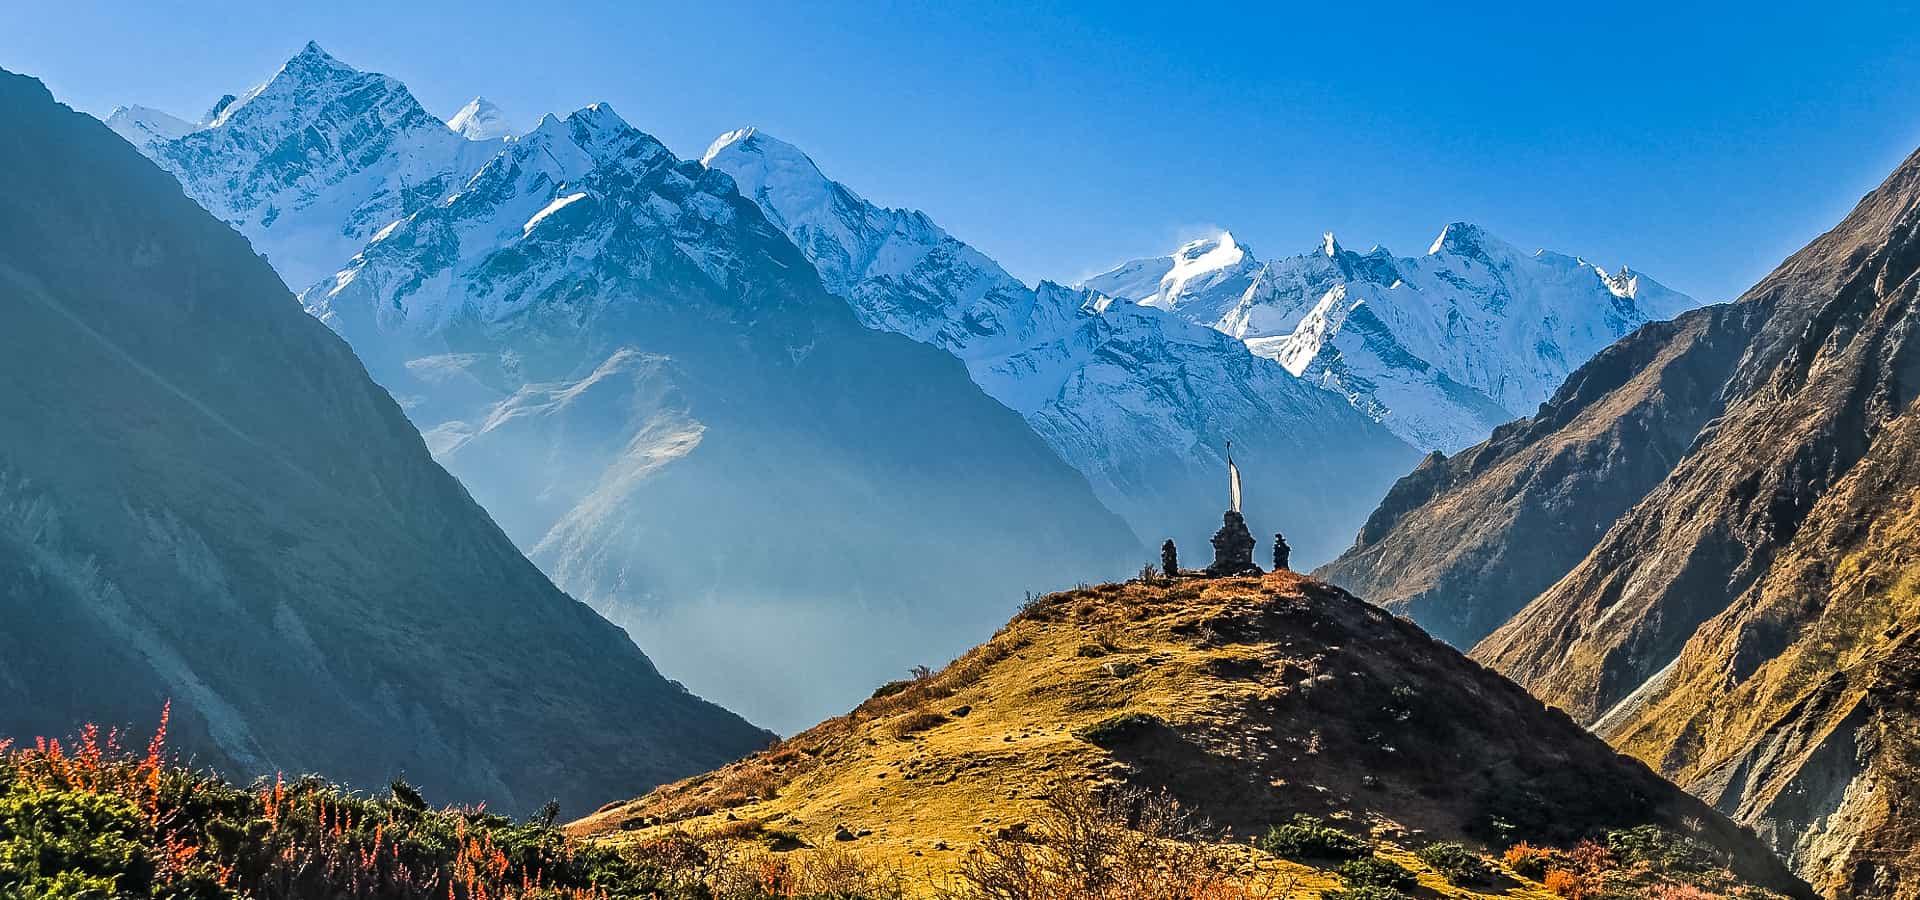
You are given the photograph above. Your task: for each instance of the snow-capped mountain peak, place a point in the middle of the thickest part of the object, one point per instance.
(481, 120)
(725, 141)
(762, 164)
(219, 106)
(870, 255)
(1464, 239)
(142, 126)
(1440, 348)
(310, 67)
(314, 161)
(1216, 271)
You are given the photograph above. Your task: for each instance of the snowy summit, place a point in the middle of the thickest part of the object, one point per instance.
(481, 120)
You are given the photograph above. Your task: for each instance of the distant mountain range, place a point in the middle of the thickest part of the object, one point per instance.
(571, 314)
(204, 500)
(1141, 402)
(647, 385)
(1440, 348)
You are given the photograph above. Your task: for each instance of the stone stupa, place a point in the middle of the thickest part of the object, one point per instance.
(1233, 543)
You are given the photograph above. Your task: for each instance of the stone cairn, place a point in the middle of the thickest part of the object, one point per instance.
(1233, 548)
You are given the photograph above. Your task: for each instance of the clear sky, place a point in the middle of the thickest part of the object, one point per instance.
(1697, 144)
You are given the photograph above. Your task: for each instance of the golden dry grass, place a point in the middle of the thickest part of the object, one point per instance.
(916, 778)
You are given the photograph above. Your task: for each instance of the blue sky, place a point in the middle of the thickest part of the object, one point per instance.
(1698, 144)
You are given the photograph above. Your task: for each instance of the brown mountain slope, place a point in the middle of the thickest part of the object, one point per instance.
(1441, 547)
(1795, 709)
(1249, 699)
(204, 499)
(1830, 367)
(1742, 625)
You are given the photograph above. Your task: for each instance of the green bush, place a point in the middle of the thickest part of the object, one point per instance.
(1372, 871)
(1363, 892)
(1663, 849)
(1457, 864)
(1307, 837)
(63, 843)
(1117, 728)
(891, 688)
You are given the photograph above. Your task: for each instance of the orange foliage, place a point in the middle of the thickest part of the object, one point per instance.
(1566, 884)
(314, 831)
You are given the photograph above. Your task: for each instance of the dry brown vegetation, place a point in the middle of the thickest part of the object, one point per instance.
(1245, 700)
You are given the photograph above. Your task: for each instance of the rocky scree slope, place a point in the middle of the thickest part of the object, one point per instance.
(1250, 699)
(204, 499)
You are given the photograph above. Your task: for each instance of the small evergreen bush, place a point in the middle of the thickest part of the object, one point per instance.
(1116, 728)
(1307, 837)
(1363, 892)
(1372, 871)
(1457, 864)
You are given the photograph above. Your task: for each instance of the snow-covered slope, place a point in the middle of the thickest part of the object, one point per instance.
(1139, 400)
(481, 120)
(309, 164)
(144, 126)
(1440, 348)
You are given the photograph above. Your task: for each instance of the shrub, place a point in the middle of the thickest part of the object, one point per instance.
(917, 721)
(1117, 728)
(1529, 861)
(1372, 871)
(1307, 837)
(1566, 884)
(1457, 864)
(1363, 892)
(1589, 858)
(88, 819)
(827, 874)
(1678, 891)
(1126, 844)
(1663, 849)
(891, 688)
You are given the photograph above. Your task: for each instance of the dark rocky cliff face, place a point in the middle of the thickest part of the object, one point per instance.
(1743, 617)
(204, 498)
